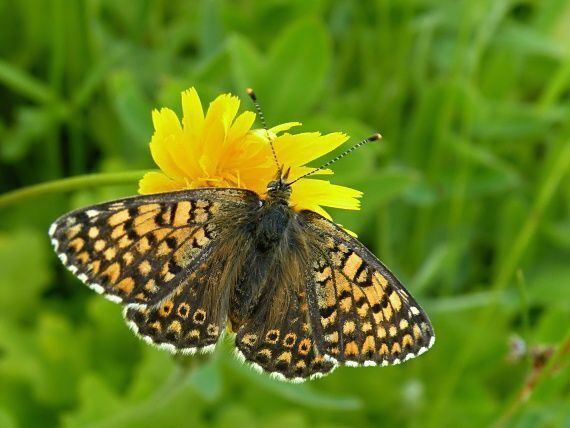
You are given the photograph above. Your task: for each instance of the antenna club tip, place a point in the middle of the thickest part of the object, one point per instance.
(375, 137)
(251, 93)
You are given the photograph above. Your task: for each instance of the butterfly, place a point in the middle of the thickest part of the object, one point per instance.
(301, 294)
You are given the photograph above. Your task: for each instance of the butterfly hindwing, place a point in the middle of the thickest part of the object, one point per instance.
(187, 320)
(138, 250)
(278, 339)
(363, 314)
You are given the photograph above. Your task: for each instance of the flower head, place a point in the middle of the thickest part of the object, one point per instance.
(219, 149)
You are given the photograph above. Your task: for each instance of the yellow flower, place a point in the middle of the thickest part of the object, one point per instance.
(219, 149)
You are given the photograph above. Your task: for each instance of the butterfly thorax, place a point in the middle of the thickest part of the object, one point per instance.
(273, 216)
(272, 230)
(273, 222)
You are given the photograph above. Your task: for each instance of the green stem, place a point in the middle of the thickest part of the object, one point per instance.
(67, 184)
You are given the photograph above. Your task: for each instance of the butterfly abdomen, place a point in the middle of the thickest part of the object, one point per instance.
(266, 234)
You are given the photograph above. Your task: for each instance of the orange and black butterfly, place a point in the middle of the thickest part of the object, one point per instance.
(301, 294)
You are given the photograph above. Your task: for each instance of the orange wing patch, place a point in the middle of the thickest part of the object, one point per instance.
(365, 316)
(119, 248)
(287, 351)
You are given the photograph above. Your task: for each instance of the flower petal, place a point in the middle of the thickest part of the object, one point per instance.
(300, 149)
(193, 120)
(220, 115)
(308, 193)
(157, 182)
(299, 171)
(165, 122)
(167, 132)
(284, 127)
(241, 126)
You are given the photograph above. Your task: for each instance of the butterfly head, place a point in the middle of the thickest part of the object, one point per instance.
(279, 188)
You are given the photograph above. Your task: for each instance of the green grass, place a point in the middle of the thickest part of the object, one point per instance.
(467, 198)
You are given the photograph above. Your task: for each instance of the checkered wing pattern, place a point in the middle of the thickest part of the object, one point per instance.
(186, 321)
(363, 315)
(139, 250)
(278, 339)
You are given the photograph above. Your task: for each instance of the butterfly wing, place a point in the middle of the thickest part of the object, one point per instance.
(362, 314)
(188, 319)
(139, 250)
(278, 338)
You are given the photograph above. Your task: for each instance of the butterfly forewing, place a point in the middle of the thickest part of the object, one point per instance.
(362, 314)
(138, 250)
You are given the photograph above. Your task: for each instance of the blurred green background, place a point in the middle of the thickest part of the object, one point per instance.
(467, 199)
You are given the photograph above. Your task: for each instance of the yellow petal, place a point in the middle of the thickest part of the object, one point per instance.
(271, 133)
(284, 127)
(218, 120)
(300, 149)
(299, 171)
(166, 122)
(170, 147)
(157, 182)
(319, 210)
(241, 126)
(167, 133)
(350, 232)
(193, 120)
(308, 193)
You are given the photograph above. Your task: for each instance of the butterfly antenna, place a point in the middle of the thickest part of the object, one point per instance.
(263, 123)
(370, 139)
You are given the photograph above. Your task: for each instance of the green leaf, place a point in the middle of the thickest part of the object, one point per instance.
(301, 394)
(543, 286)
(96, 401)
(207, 381)
(32, 125)
(25, 273)
(110, 346)
(383, 186)
(529, 41)
(481, 155)
(236, 416)
(61, 358)
(246, 63)
(291, 78)
(152, 370)
(296, 71)
(18, 80)
(432, 266)
(132, 107)
(6, 419)
(379, 188)
(559, 233)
